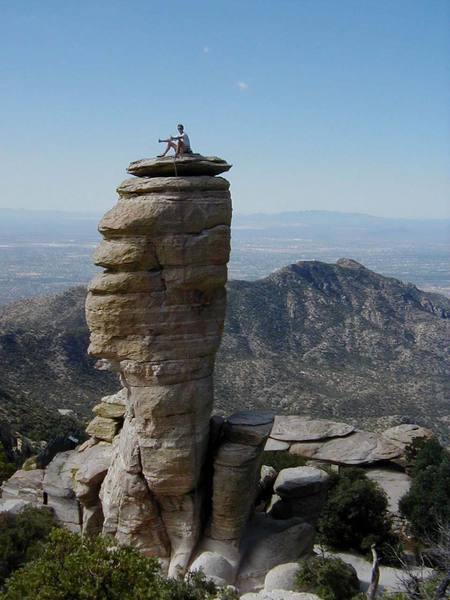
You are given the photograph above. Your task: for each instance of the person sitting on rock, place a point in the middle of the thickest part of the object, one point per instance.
(183, 146)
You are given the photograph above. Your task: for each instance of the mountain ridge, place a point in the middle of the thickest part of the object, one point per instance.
(335, 340)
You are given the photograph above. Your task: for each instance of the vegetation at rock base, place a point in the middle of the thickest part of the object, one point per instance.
(7, 468)
(329, 578)
(20, 536)
(427, 504)
(355, 516)
(282, 460)
(75, 568)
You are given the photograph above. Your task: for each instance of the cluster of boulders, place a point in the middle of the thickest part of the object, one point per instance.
(242, 541)
(340, 443)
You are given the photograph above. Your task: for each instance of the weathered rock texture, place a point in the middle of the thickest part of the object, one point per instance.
(156, 314)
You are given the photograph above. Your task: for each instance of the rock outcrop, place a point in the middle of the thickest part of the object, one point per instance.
(156, 314)
(341, 444)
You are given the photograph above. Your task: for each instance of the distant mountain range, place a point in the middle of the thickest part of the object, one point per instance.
(45, 252)
(330, 340)
(46, 225)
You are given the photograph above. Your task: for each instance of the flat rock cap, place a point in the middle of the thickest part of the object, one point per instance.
(169, 166)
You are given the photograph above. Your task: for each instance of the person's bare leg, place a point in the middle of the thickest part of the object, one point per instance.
(169, 146)
(180, 149)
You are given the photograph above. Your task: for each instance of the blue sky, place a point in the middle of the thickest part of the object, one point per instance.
(319, 104)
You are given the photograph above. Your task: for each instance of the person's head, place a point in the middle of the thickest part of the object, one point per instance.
(180, 127)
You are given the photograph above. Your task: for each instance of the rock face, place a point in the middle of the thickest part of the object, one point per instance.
(298, 429)
(358, 448)
(25, 486)
(156, 314)
(237, 472)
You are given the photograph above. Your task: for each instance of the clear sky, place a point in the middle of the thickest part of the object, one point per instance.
(319, 104)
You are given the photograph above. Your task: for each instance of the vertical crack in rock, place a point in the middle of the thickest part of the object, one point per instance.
(157, 311)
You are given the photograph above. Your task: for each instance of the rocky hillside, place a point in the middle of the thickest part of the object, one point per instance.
(331, 340)
(338, 341)
(44, 365)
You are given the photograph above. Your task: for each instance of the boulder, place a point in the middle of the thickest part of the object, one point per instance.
(301, 429)
(25, 486)
(299, 492)
(276, 445)
(119, 397)
(268, 543)
(281, 577)
(102, 428)
(186, 165)
(215, 567)
(358, 448)
(298, 482)
(109, 410)
(248, 427)
(404, 435)
(13, 507)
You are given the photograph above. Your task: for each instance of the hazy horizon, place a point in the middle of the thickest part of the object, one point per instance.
(98, 214)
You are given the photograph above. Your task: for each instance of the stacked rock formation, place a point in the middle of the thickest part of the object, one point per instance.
(156, 314)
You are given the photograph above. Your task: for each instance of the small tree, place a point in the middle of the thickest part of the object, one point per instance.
(75, 568)
(329, 578)
(355, 516)
(427, 504)
(20, 536)
(6, 468)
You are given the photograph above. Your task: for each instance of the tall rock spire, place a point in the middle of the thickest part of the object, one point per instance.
(156, 314)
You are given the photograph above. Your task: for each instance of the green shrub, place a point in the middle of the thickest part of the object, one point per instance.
(6, 468)
(355, 516)
(427, 504)
(329, 578)
(282, 460)
(20, 536)
(74, 568)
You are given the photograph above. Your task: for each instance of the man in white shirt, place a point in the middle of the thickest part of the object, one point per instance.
(183, 146)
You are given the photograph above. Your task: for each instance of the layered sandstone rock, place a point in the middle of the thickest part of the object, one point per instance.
(237, 469)
(156, 314)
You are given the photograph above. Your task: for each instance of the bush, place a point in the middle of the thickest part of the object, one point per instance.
(329, 578)
(6, 468)
(75, 568)
(355, 516)
(427, 504)
(282, 460)
(20, 536)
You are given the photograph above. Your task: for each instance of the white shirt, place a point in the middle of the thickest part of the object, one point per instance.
(185, 139)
